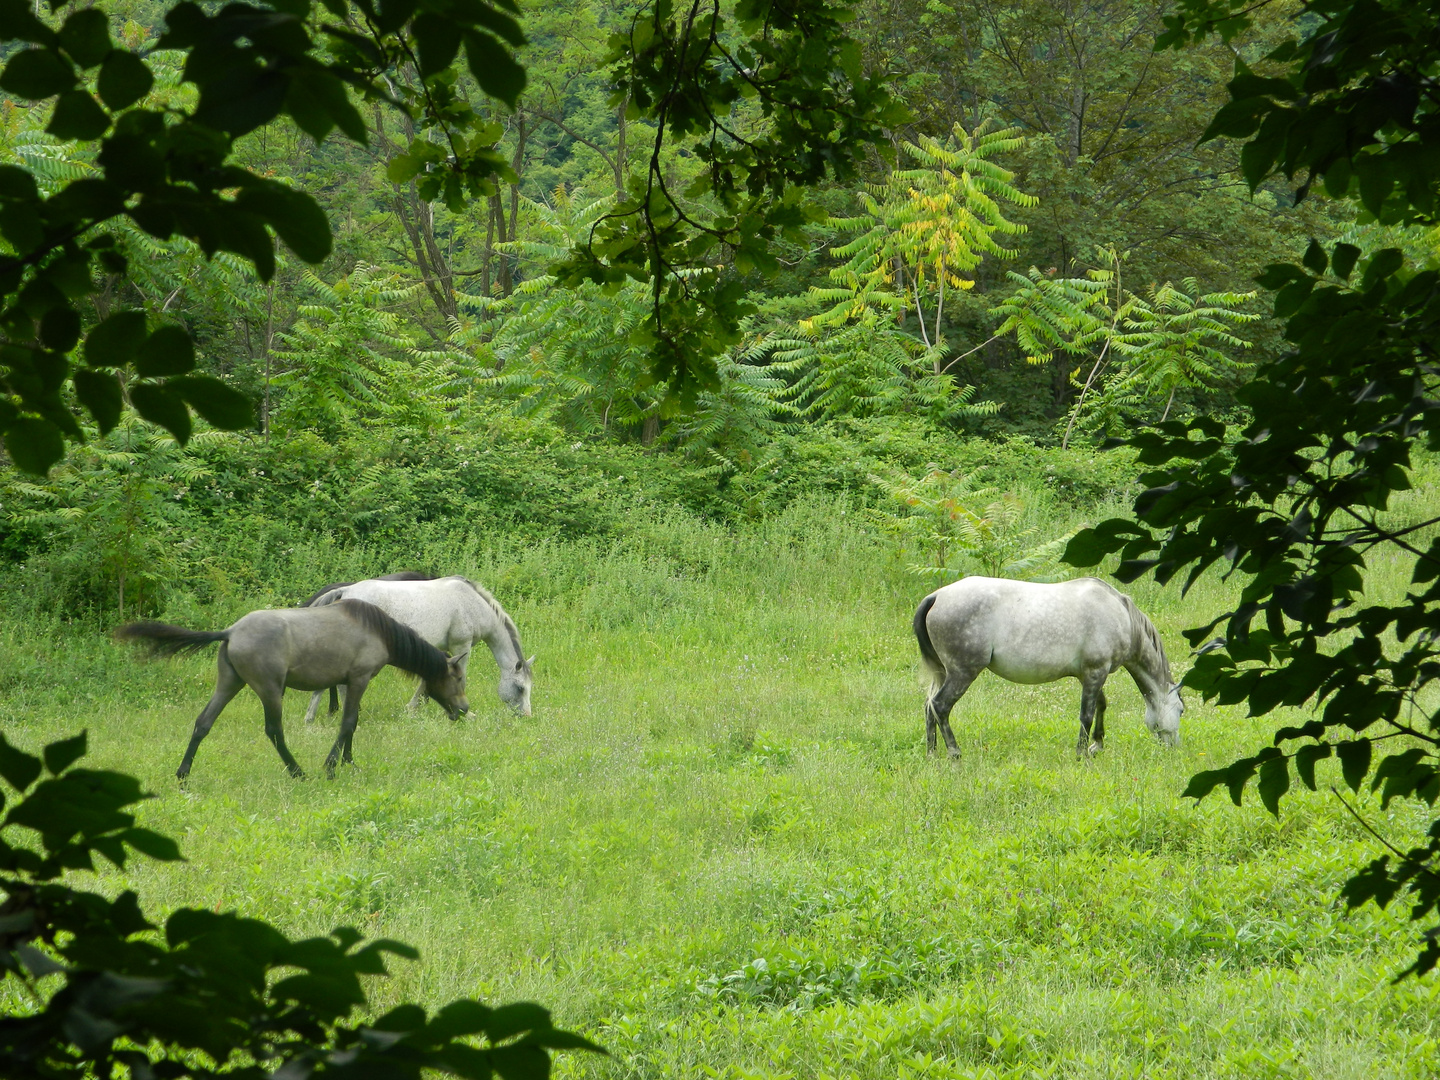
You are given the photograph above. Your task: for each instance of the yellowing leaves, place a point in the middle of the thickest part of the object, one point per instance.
(926, 229)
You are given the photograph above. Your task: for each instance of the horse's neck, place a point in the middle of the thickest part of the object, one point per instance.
(488, 625)
(1149, 670)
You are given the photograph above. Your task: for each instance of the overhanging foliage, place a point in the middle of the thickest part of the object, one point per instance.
(1301, 501)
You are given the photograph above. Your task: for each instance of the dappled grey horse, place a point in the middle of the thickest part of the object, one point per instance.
(1032, 633)
(452, 613)
(308, 648)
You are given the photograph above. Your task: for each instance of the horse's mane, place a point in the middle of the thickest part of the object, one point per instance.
(408, 650)
(500, 613)
(399, 575)
(1143, 632)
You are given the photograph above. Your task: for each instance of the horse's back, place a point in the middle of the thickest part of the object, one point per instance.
(305, 648)
(1028, 632)
(448, 612)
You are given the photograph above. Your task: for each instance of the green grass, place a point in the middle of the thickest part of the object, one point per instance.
(718, 849)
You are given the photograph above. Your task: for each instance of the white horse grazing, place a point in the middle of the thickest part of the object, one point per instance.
(1029, 633)
(451, 613)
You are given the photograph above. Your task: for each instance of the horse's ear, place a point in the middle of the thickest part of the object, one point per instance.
(531, 661)
(453, 662)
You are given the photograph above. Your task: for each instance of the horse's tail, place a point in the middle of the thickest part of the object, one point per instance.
(922, 635)
(166, 640)
(928, 655)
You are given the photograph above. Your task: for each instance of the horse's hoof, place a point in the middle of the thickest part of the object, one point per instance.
(1095, 748)
(954, 755)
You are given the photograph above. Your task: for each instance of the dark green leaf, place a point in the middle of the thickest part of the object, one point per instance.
(18, 22)
(77, 116)
(222, 406)
(1337, 178)
(168, 351)
(37, 74)
(59, 756)
(17, 183)
(86, 36)
(124, 80)
(1273, 783)
(1383, 264)
(436, 41)
(1289, 299)
(295, 216)
(1354, 761)
(393, 14)
(1305, 759)
(401, 1018)
(510, 1020)
(158, 405)
(116, 340)
(99, 392)
(34, 445)
(1089, 546)
(19, 769)
(60, 328)
(493, 67)
(1315, 259)
(153, 844)
(21, 226)
(1343, 260)
(460, 1018)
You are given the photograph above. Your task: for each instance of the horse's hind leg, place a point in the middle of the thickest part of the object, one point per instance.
(319, 696)
(271, 698)
(227, 685)
(1092, 703)
(937, 709)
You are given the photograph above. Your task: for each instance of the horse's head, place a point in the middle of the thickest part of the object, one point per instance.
(1162, 715)
(515, 686)
(449, 688)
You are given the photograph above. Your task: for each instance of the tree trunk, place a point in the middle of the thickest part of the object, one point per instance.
(497, 220)
(521, 134)
(417, 218)
(620, 123)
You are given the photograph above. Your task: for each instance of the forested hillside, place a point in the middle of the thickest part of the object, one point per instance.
(709, 341)
(1049, 254)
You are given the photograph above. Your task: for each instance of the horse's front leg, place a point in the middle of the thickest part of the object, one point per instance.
(1097, 730)
(937, 709)
(348, 719)
(1092, 698)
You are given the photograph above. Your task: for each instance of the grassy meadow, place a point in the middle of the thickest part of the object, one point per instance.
(717, 847)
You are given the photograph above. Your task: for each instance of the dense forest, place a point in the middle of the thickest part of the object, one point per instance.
(709, 412)
(1051, 255)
